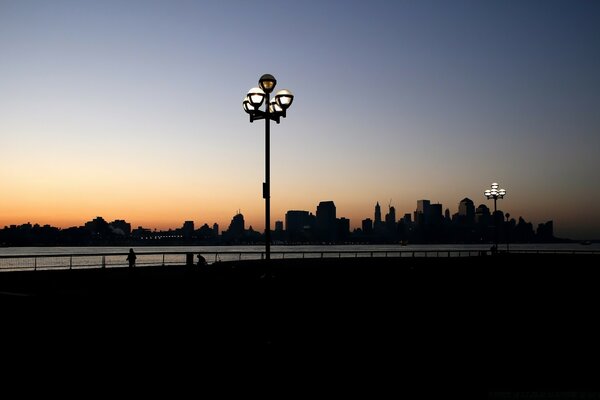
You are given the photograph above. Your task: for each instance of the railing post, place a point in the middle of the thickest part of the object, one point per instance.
(35, 263)
(240, 256)
(163, 264)
(70, 262)
(321, 254)
(103, 261)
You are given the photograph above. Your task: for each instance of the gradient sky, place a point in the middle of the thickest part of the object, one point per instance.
(132, 109)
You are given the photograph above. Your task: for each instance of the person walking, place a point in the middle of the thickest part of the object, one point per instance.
(131, 258)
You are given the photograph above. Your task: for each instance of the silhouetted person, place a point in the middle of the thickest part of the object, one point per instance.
(131, 258)
(201, 260)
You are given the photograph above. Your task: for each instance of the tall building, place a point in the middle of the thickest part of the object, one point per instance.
(367, 226)
(188, 229)
(466, 210)
(423, 206)
(237, 227)
(298, 225)
(435, 214)
(216, 229)
(326, 221)
(422, 212)
(390, 221)
(377, 220)
(390, 217)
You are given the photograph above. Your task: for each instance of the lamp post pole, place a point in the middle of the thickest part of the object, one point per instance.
(275, 109)
(267, 188)
(507, 215)
(495, 193)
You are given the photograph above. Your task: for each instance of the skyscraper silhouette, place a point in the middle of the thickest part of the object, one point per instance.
(326, 221)
(377, 223)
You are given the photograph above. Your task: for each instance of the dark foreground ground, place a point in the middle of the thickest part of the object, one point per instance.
(484, 323)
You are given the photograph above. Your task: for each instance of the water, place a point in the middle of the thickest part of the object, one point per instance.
(12, 258)
(81, 250)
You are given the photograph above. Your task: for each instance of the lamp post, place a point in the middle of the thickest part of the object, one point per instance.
(495, 193)
(507, 215)
(274, 109)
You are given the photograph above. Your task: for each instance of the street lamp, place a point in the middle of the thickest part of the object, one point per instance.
(274, 109)
(495, 193)
(507, 215)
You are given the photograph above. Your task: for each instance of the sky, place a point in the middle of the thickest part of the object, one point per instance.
(133, 109)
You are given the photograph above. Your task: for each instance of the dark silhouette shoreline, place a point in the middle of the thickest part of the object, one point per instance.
(492, 322)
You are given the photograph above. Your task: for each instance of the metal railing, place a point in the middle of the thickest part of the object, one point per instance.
(119, 260)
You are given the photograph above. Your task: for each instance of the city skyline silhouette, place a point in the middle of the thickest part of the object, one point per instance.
(133, 110)
(429, 223)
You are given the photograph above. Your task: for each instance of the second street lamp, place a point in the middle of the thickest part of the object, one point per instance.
(275, 109)
(495, 193)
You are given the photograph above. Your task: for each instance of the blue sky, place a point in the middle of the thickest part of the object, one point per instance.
(132, 109)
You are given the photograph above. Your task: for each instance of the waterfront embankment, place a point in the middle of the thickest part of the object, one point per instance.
(492, 319)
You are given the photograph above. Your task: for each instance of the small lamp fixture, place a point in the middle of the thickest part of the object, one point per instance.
(248, 107)
(256, 97)
(284, 98)
(267, 83)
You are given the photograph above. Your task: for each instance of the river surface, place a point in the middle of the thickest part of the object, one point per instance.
(80, 250)
(25, 258)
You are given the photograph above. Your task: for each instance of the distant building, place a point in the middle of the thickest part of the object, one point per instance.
(121, 227)
(278, 226)
(377, 223)
(188, 229)
(422, 212)
(367, 226)
(216, 230)
(482, 215)
(343, 231)
(545, 232)
(298, 225)
(423, 206)
(326, 221)
(205, 231)
(236, 229)
(466, 211)
(390, 222)
(435, 214)
(390, 217)
(97, 225)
